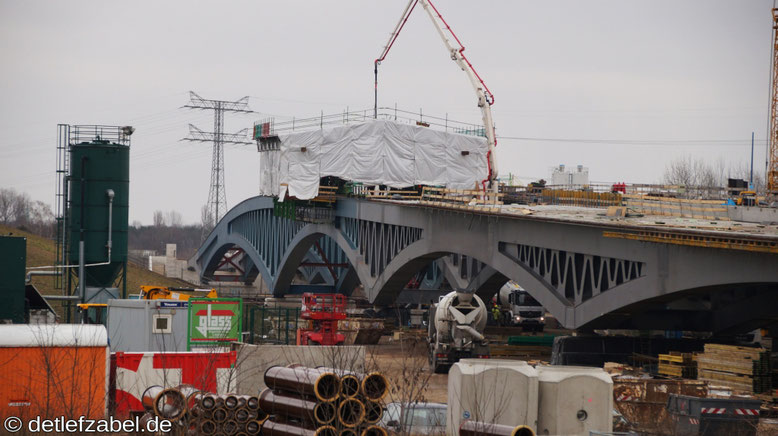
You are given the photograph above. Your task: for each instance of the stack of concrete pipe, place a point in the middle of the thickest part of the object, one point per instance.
(202, 413)
(476, 428)
(304, 401)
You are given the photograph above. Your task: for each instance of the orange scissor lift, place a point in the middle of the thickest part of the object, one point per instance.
(323, 311)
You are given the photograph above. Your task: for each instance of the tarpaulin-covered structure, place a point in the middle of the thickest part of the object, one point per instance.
(375, 152)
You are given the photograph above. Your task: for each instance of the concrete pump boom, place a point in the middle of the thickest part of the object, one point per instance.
(485, 97)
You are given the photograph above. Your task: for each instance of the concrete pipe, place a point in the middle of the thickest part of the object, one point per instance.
(230, 401)
(319, 413)
(253, 427)
(477, 428)
(375, 386)
(146, 418)
(351, 412)
(242, 414)
(230, 427)
(349, 381)
(192, 398)
(326, 430)
(249, 401)
(220, 414)
(206, 401)
(207, 426)
(324, 386)
(373, 412)
(349, 432)
(272, 428)
(167, 403)
(148, 396)
(374, 430)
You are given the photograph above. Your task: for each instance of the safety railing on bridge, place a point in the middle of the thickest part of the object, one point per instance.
(580, 198)
(677, 207)
(469, 199)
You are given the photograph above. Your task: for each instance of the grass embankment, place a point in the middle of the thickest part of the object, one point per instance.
(42, 252)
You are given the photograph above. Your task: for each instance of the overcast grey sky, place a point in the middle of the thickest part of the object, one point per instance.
(649, 72)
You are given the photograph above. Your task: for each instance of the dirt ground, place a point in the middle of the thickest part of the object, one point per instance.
(392, 356)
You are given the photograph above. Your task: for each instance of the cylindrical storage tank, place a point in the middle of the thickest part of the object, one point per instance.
(574, 400)
(492, 390)
(96, 169)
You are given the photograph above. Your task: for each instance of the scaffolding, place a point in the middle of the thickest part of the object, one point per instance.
(266, 131)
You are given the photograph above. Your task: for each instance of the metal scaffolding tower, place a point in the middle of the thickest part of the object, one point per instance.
(217, 198)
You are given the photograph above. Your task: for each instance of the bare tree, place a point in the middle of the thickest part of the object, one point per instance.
(174, 219)
(7, 197)
(159, 218)
(205, 220)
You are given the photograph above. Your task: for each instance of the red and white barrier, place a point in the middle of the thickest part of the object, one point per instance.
(747, 412)
(134, 372)
(713, 410)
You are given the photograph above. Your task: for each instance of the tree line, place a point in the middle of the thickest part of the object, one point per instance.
(18, 210)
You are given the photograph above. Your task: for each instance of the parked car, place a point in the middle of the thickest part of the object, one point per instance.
(419, 418)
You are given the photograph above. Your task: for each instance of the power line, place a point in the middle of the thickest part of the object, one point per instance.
(676, 142)
(217, 197)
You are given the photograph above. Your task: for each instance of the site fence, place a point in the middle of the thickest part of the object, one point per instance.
(273, 325)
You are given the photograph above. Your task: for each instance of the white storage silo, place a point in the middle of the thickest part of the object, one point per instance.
(492, 390)
(574, 400)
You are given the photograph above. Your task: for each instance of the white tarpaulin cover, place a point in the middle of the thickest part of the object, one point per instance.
(375, 152)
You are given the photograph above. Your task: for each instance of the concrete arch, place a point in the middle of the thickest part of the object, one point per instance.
(224, 244)
(301, 245)
(388, 285)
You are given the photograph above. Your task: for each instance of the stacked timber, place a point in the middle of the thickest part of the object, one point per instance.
(197, 412)
(742, 368)
(680, 365)
(304, 401)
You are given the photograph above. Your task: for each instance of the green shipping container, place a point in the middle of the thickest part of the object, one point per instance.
(13, 261)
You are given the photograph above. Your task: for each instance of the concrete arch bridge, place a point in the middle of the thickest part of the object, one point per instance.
(588, 272)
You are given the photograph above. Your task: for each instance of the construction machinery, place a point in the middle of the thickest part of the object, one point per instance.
(323, 311)
(456, 329)
(485, 97)
(93, 313)
(520, 309)
(747, 198)
(181, 294)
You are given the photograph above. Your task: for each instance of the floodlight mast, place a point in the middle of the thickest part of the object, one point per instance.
(485, 97)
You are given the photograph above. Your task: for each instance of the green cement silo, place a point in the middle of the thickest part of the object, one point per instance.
(99, 187)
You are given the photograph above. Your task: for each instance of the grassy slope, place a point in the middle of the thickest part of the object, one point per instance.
(42, 252)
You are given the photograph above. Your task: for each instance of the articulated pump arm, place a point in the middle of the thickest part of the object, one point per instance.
(485, 97)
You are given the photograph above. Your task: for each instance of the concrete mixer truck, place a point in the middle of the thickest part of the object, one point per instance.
(520, 309)
(456, 330)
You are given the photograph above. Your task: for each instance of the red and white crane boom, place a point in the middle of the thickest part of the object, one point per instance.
(485, 97)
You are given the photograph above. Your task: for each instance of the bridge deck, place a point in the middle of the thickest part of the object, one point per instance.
(720, 228)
